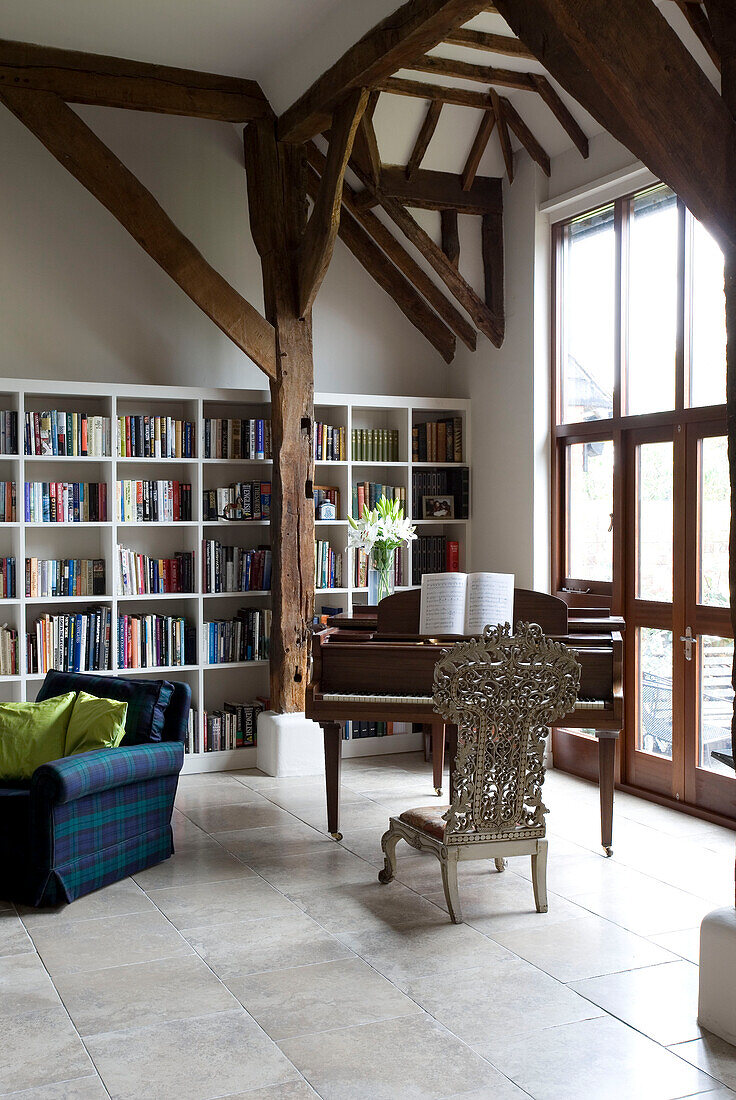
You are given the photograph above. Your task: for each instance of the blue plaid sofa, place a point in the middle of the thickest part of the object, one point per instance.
(88, 820)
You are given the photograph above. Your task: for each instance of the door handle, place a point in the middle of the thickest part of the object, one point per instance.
(688, 641)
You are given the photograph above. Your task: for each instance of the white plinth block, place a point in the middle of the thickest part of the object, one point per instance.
(289, 744)
(717, 1000)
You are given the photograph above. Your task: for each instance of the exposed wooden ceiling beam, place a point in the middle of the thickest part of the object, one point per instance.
(115, 82)
(416, 275)
(467, 70)
(503, 135)
(366, 143)
(410, 31)
(561, 113)
(699, 23)
(525, 136)
(474, 306)
(390, 279)
(315, 250)
(493, 263)
(502, 44)
(669, 115)
(429, 125)
(418, 89)
(82, 153)
(478, 148)
(429, 190)
(450, 236)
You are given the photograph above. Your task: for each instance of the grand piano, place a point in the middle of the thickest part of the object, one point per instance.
(376, 667)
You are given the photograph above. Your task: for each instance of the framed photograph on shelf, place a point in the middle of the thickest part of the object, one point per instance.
(438, 507)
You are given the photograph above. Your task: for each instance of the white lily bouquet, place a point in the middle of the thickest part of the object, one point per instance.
(379, 532)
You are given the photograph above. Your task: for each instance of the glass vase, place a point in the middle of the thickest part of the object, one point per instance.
(380, 575)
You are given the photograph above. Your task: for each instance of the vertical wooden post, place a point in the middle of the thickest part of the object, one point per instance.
(277, 201)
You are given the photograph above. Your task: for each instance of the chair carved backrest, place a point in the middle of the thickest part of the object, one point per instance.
(503, 691)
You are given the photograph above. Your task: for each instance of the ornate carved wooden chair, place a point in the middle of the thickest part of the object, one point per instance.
(502, 691)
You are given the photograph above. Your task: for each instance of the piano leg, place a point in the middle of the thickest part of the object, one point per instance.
(333, 769)
(438, 755)
(606, 777)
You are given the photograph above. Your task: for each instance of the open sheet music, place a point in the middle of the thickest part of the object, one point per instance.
(464, 603)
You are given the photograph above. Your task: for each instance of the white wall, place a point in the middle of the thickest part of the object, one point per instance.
(510, 388)
(80, 300)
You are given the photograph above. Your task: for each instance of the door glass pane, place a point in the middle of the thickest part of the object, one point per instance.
(715, 518)
(588, 298)
(708, 320)
(654, 508)
(652, 302)
(654, 728)
(716, 701)
(589, 510)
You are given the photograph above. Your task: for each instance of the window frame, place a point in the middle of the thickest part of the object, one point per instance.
(605, 593)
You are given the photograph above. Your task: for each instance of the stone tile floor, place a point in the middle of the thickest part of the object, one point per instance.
(265, 962)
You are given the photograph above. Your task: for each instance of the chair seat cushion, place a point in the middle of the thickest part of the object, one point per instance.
(427, 818)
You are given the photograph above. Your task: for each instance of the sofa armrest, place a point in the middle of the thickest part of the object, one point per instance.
(86, 773)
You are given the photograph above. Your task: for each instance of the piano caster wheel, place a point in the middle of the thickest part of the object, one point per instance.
(438, 791)
(336, 836)
(608, 851)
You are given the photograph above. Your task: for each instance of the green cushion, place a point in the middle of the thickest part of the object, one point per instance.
(32, 734)
(95, 724)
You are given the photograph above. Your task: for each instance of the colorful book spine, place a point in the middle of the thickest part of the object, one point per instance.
(235, 569)
(139, 574)
(56, 432)
(50, 578)
(154, 501)
(65, 502)
(248, 438)
(155, 641)
(155, 437)
(70, 642)
(244, 638)
(243, 500)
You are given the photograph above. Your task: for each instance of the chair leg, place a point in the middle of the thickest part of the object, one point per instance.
(448, 866)
(501, 863)
(389, 840)
(539, 876)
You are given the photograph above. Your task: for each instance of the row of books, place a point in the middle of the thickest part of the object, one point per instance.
(244, 638)
(7, 502)
(329, 443)
(140, 575)
(234, 569)
(8, 432)
(233, 727)
(65, 501)
(70, 642)
(327, 566)
(433, 483)
(154, 501)
(249, 438)
(155, 641)
(434, 554)
(354, 730)
(326, 494)
(8, 651)
(375, 444)
(370, 492)
(7, 579)
(56, 432)
(360, 569)
(52, 577)
(241, 500)
(438, 440)
(155, 437)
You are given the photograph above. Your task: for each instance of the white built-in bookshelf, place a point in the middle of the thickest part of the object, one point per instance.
(211, 685)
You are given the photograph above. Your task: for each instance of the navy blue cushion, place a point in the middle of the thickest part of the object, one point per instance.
(147, 699)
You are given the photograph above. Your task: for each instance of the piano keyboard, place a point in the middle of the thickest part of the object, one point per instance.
(426, 700)
(339, 697)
